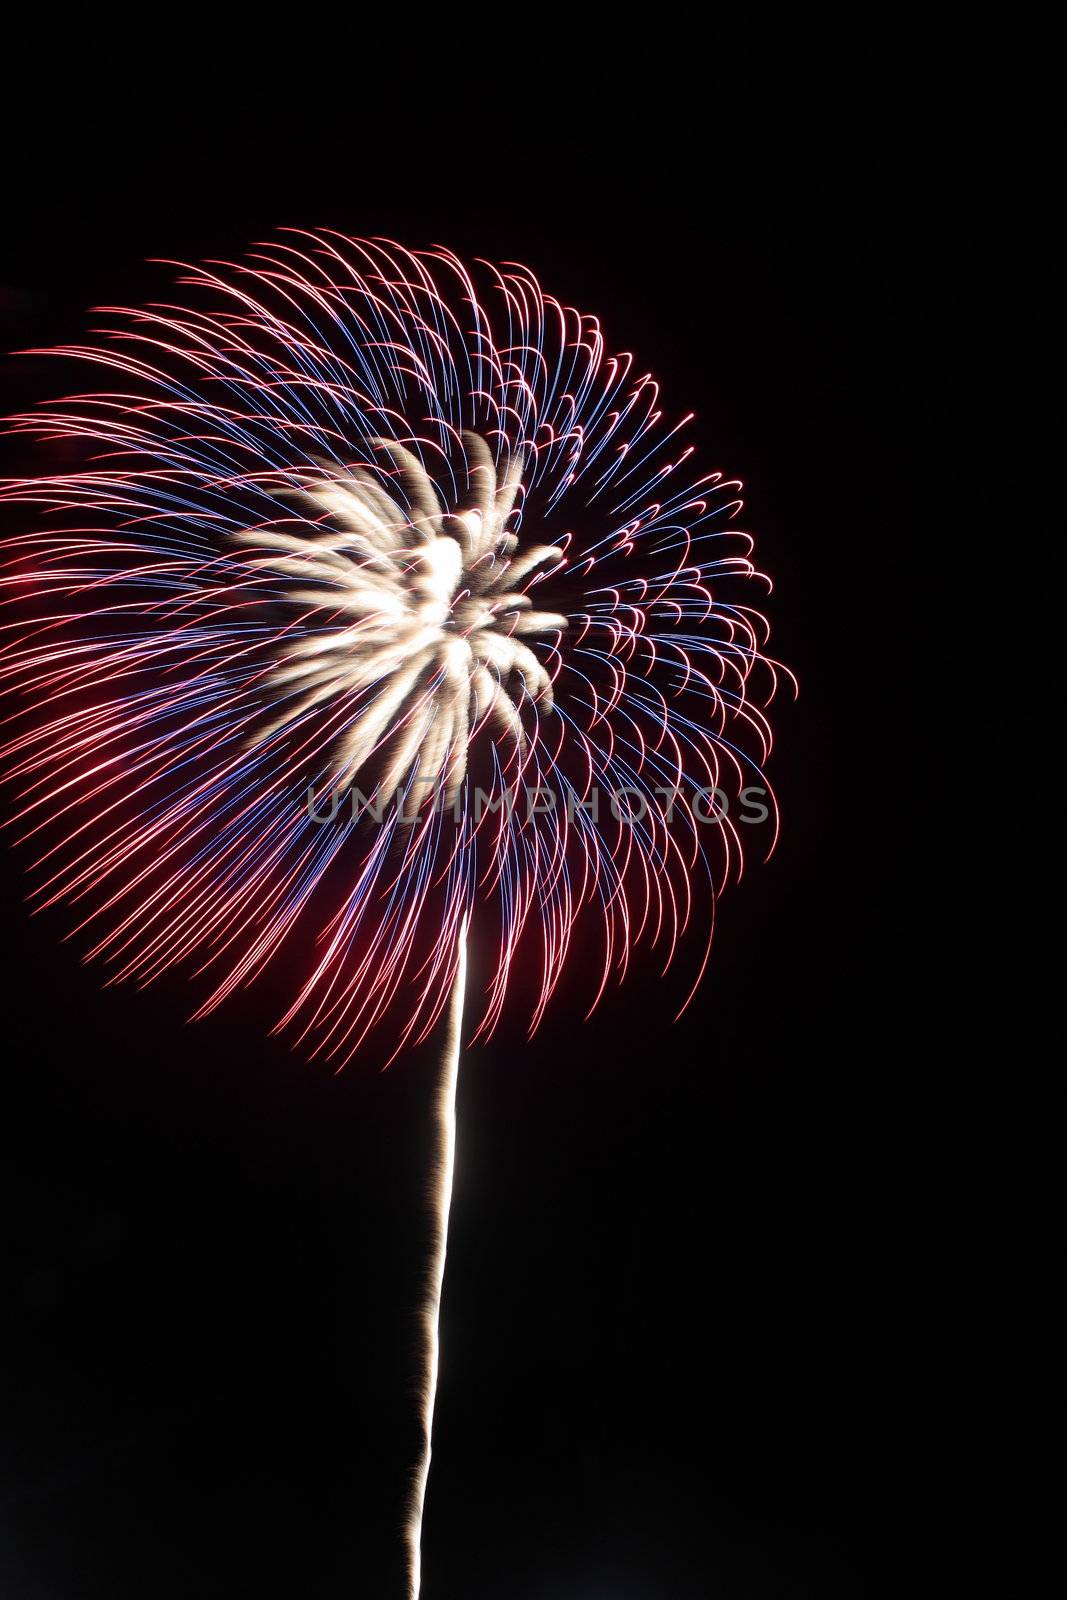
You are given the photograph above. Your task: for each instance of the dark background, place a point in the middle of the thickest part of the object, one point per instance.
(716, 1301)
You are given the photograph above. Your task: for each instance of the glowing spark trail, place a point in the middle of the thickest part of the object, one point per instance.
(430, 1316)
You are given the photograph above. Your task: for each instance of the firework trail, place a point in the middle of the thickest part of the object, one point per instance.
(370, 594)
(445, 1118)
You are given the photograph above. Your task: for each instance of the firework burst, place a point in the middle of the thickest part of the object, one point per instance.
(351, 521)
(292, 553)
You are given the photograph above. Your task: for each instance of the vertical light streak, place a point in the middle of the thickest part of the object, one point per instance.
(441, 1199)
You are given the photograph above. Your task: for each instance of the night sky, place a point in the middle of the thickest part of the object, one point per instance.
(714, 1293)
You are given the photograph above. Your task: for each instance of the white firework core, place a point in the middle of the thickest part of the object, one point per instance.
(424, 619)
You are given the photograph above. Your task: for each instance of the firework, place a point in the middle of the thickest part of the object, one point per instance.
(428, 618)
(376, 600)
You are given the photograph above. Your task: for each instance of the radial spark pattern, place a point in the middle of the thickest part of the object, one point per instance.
(429, 617)
(370, 597)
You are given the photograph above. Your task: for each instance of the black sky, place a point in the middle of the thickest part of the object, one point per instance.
(715, 1295)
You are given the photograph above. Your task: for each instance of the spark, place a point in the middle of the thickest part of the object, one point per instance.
(426, 609)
